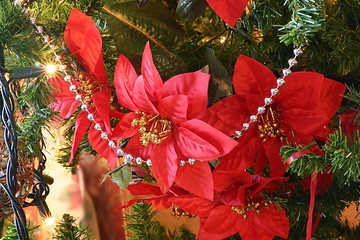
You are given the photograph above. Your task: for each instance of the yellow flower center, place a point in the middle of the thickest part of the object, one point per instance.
(254, 206)
(177, 211)
(271, 125)
(153, 128)
(89, 86)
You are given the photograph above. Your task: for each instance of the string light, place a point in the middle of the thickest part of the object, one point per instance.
(50, 222)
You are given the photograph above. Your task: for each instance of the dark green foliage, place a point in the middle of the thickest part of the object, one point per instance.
(142, 225)
(11, 233)
(67, 229)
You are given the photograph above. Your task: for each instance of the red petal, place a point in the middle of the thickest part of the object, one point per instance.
(153, 81)
(272, 220)
(244, 154)
(101, 100)
(302, 90)
(229, 10)
(227, 180)
(124, 129)
(124, 81)
(81, 126)
(165, 163)
(195, 86)
(144, 189)
(136, 149)
(193, 204)
(84, 41)
(101, 147)
(252, 78)
(143, 98)
(196, 179)
(221, 221)
(249, 231)
(199, 140)
(174, 108)
(330, 97)
(272, 150)
(227, 115)
(65, 99)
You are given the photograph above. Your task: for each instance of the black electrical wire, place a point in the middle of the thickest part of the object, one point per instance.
(10, 138)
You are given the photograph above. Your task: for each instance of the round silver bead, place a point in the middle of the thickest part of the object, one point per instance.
(286, 71)
(292, 62)
(58, 57)
(128, 158)
(182, 163)
(67, 78)
(39, 29)
(46, 38)
(120, 152)
(253, 118)
(90, 117)
(280, 82)
(261, 110)
(274, 91)
(78, 97)
(268, 101)
(84, 107)
(73, 88)
(32, 20)
(148, 162)
(62, 67)
(112, 144)
(191, 161)
(138, 160)
(246, 126)
(97, 127)
(238, 133)
(104, 136)
(297, 51)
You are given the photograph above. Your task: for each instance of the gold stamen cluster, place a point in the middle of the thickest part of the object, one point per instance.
(177, 211)
(89, 86)
(153, 128)
(270, 125)
(252, 206)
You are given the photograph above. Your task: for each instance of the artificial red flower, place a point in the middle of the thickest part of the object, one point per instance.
(84, 41)
(299, 112)
(237, 207)
(229, 10)
(166, 126)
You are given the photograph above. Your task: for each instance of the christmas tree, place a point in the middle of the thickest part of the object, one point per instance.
(243, 113)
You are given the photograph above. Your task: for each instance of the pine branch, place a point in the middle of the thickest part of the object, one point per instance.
(306, 20)
(68, 230)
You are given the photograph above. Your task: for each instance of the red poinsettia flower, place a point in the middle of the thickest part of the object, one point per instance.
(238, 207)
(166, 124)
(84, 41)
(301, 110)
(229, 10)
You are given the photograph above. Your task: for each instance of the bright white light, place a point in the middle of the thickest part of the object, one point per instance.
(222, 39)
(50, 221)
(51, 69)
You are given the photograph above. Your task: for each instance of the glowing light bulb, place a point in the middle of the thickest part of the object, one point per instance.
(50, 69)
(222, 39)
(50, 221)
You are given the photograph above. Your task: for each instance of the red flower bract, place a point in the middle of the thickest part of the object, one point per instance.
(237, 207)
(166, 124)
(229, 10)
(84, 41)
(301, 110)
